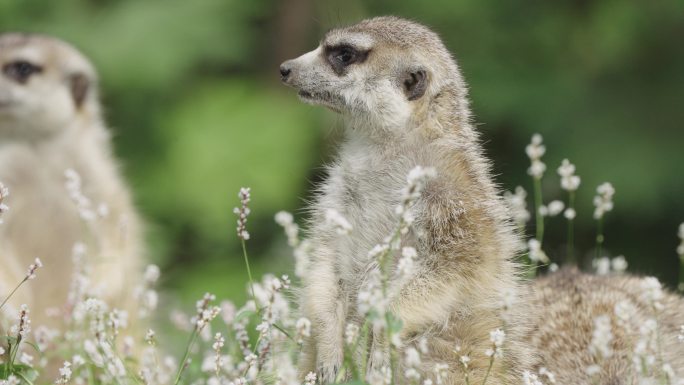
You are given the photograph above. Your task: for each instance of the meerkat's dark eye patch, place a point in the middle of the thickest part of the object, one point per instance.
(21, 70)
(341, 56)
(415, 84)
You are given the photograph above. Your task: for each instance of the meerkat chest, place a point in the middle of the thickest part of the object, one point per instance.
(365, 189)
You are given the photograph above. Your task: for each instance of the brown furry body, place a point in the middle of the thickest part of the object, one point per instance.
(567, 303)
(405, 104)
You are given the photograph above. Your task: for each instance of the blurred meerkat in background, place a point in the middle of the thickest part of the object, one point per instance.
(67, 196)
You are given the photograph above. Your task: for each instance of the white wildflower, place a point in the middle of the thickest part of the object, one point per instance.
(535, 150)
(78, 360)
(83, 204)
(680, 248)
(543, 211)
(219, 341)
(339, 223)
(310, 379)
(242, 212)
(517, 206)
(464, 361)
(31, 273)
(64, 373)
(11, 380)
(150, 337)
(508, 299)
(152, 274)
(569, 181)
(441, 373)
(601, 338)
(371, 297)
(350, 333)
(423, 345)
(286, 220)
(23, 326)
(548, 374)
(412, 374)
(530, 378)
(380, 376)
(603, 201)
(624, 312)
(569, 213)
(669, 372)
(646, 348)
(652, 292)
(303, 327)
(405, 264)
(619, 264)
(592, 370)
(416, 180)
(26, 359)
(536, 253)
(601, 265)
(497, 338)
(228, 312)
(555, 207)
(4, 193)
(412, 358)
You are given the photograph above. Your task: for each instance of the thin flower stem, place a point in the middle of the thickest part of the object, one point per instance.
(599, 237)
(20, 374)
(249, 271)
(188, 347)
(539, 218)
(681, 273)
(571, 230)
(489, 369)
(13, 291)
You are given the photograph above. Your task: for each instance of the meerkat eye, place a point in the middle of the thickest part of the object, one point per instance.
(20, 70)
(345, 55)
(342, 56)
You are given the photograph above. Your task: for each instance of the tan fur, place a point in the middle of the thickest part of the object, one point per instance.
(570, 301)
(462, 233)
(43, 132)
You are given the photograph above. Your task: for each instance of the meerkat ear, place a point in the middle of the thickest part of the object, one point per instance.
(415, 84)
(79, 85)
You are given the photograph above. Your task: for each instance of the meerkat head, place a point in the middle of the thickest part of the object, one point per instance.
(45, 86)
(382, 71)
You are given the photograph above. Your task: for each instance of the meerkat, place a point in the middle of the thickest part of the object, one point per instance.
(404, 103)
(52, 133)
(640, 336)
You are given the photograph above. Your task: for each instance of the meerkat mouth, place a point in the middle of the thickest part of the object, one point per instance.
(319, 98)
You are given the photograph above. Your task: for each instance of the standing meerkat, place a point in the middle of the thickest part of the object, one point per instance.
(404, 104)
(50, 122)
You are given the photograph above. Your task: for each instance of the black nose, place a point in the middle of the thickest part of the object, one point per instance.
(284, 71)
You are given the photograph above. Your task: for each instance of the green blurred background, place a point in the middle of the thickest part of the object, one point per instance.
(191, 90)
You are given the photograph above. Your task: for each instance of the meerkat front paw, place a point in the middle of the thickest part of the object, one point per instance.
(329, 365)
(328, 373)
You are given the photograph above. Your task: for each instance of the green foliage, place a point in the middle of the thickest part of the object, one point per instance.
(189, 87)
